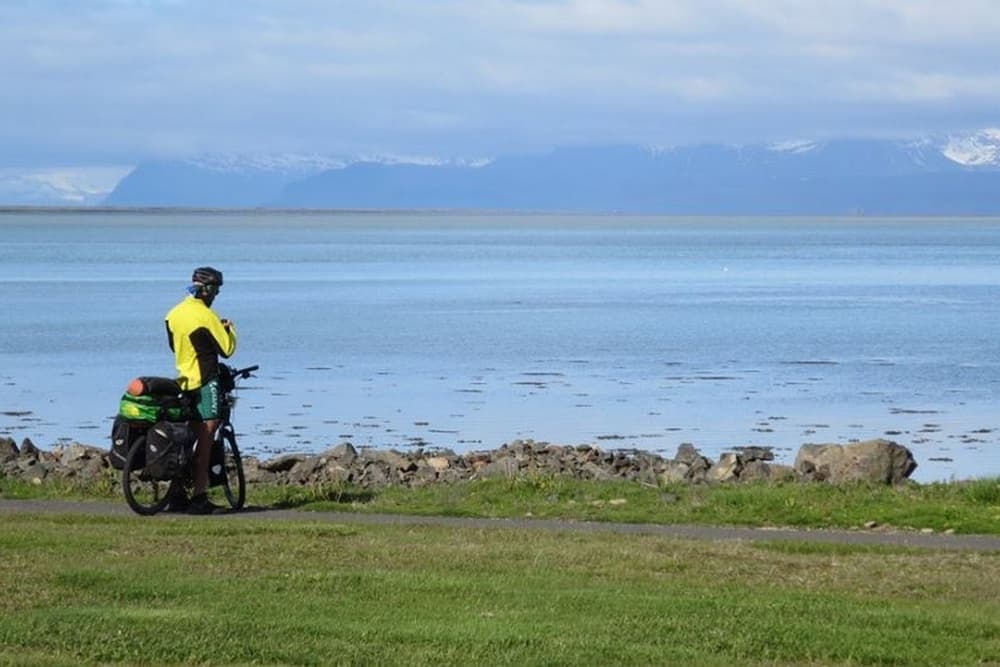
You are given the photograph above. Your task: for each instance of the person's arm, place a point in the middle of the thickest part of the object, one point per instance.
(224, 333)
(170, 335)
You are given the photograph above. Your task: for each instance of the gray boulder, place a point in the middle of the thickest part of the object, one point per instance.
(344, 454)
(673, 472)
(282, 463)
(766, 472)
(590, 470)
(336, 473)
(8, 450)
(698, 465)
(29, 450)
(305, 471)
(755, 453)
(377, 475)
(506, 467)
(880, 461)
(390, 457)
(255, 473)
(727, 469)
(29, 469)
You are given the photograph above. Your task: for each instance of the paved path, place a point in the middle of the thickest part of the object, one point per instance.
(988, 543)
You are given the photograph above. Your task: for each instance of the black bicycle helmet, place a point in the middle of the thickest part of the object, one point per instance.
(206, 275)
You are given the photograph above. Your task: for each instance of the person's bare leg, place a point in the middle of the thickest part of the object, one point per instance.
(203, 457)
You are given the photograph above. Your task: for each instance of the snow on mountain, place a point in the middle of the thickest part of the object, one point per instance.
(289, 163)
(420, 160)
(58, 186)
(981, 149)
(795, 147)
(300, 165)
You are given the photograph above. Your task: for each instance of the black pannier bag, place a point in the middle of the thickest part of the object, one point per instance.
(124, 433)
(167, 449)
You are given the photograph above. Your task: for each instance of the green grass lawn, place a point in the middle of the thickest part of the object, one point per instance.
(218, 590)
(965, 507)
(178, 590)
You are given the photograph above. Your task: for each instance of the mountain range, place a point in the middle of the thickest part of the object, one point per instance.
(958, 175)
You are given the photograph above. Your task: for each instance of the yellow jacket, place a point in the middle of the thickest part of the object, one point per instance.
(197, 337)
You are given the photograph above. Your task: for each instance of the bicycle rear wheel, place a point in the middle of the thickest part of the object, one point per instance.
(143, 494)
(229, 468)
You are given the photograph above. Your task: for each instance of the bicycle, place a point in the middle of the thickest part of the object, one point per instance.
(148, 494)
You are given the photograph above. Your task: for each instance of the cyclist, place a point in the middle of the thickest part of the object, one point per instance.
(198, 337)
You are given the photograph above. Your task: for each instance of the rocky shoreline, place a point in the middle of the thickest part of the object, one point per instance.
(879, 461)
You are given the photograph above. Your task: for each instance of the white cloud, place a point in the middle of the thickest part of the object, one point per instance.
(914, 87)
(609, 16)
(159, 77)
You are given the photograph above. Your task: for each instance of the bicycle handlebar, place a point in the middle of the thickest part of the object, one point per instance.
(245, 372)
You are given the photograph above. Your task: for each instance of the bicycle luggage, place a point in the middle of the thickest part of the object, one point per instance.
(154, 386)
(167, 448)
(123, 434)
(152, 399)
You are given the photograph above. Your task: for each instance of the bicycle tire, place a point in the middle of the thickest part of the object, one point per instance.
(144, 495)
(234, 483)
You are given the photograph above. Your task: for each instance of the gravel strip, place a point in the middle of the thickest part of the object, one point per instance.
(986, 543)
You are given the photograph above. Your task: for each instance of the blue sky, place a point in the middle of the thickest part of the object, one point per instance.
(112, 82)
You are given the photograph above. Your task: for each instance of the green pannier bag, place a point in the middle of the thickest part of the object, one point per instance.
(152, 399)
(140, 408)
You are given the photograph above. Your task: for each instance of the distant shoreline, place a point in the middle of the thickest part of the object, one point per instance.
(266, 210)
(305, 211)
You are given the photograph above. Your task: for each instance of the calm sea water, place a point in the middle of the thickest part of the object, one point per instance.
(467, 331)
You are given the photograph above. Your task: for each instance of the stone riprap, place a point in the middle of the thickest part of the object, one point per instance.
(879, 461)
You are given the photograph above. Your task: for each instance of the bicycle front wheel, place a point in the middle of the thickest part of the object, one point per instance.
(227, 467)
(143, 494)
